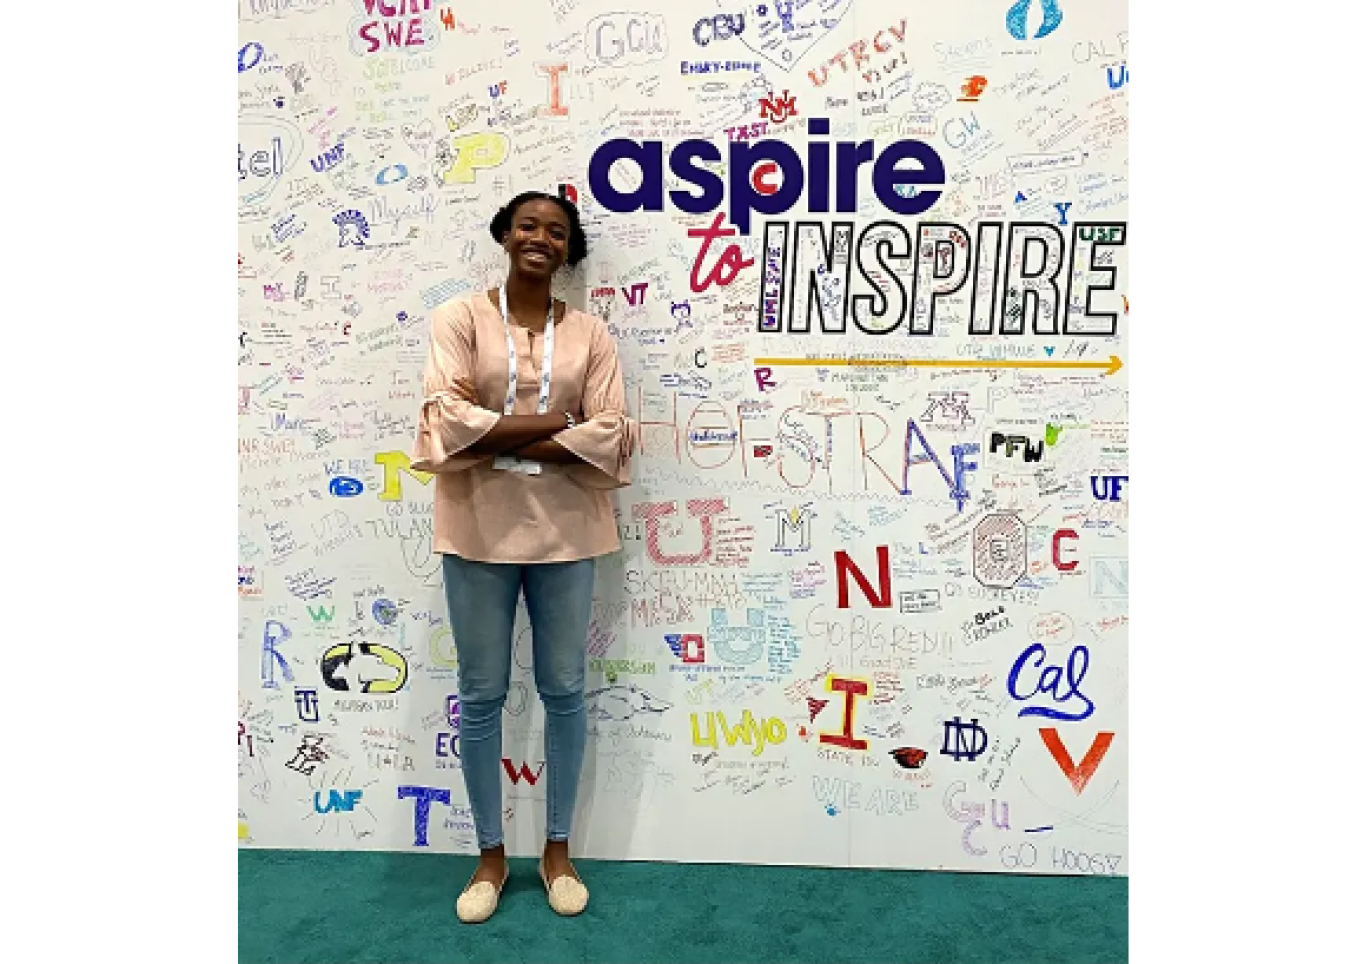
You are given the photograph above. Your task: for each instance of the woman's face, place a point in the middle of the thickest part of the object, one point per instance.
(537, 241)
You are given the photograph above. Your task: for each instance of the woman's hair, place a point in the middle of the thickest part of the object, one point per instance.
(576, 241)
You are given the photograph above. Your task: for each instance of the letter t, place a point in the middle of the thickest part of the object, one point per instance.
(424, 797)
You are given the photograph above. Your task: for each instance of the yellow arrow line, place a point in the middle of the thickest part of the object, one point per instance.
(1108, 367)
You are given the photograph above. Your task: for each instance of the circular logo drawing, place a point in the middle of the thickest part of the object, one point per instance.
(1000, 550)
(384, 611)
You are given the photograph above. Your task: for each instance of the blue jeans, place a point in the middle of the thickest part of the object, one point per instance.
(481, 597)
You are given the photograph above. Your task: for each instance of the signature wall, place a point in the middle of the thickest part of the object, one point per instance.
(866, 265)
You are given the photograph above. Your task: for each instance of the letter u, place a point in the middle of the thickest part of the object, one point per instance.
(1102, 491)
(702, 509)
(1111, 78)
(993, 814)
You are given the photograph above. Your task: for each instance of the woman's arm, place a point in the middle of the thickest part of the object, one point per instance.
(603, 443)
(547, 451)
(450, 421)
(515, 432)
(512, 432)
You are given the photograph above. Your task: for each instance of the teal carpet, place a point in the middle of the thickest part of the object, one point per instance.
(306, 907)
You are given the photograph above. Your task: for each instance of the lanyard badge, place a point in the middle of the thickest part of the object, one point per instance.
(509, 462)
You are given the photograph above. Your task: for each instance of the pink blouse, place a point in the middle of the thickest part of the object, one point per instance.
(493, 515)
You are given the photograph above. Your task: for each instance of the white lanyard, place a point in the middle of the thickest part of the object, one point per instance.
(545, 376)
(508, 462)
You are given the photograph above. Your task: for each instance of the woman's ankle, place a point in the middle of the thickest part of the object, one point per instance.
(493, 855)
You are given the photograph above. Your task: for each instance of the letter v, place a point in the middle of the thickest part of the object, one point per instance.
(1079, 774)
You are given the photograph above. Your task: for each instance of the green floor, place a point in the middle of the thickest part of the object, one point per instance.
(298, 907)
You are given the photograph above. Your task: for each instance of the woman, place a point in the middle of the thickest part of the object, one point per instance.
(523, 421)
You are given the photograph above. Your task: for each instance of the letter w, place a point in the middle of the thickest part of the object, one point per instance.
(530, 777)
(324, 614)
(741, 733)
(827, 789)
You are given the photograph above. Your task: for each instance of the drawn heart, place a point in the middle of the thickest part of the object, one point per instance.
(782, 31)
(419, 138)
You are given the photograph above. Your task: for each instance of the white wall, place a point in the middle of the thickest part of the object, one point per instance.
(794, 464)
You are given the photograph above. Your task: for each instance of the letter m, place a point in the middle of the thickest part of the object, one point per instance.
(797, 522)
(394, 464)
(844, 565)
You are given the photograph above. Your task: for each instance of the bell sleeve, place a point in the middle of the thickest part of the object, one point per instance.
(604, 441)
(451, 419)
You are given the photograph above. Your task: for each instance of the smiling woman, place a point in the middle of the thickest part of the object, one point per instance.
(523, 424)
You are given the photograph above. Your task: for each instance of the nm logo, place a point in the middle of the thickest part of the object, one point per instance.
(778, 109)
(364, 667)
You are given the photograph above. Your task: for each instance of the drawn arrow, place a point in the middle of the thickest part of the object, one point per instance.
(1107, 367)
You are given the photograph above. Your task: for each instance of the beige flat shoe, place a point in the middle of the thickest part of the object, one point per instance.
(566, 895)
(479, 901)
